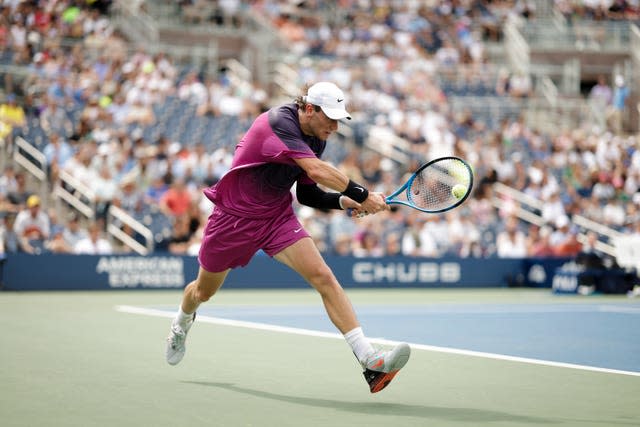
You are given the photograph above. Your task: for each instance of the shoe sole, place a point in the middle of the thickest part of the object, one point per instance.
(402, 353)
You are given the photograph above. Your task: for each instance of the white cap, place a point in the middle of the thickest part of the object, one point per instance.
(330, 98)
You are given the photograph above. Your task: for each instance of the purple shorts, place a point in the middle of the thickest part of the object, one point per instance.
(230, 241)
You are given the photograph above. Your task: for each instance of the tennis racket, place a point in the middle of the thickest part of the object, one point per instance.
(437, 186)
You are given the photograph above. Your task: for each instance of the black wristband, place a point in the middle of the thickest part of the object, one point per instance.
(356, 192)
(311, 195)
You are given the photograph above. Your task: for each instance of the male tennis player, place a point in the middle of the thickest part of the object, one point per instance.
(253, 210)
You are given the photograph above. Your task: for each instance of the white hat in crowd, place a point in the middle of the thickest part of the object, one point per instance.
(330, 98)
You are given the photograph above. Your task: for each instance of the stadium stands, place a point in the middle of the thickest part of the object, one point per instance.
(442, 80)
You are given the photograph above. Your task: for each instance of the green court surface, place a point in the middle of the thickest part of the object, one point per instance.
(72, 359)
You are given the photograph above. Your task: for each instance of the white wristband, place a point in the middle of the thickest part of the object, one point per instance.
(340, 202)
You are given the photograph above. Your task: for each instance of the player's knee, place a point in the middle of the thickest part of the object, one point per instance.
(323, 279)
(204, 293)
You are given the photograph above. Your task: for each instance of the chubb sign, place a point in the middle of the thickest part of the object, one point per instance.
(406, 272)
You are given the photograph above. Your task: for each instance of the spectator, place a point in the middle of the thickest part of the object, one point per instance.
(511, 242)
(179, 241)
(73, 232)
(54, 119)
(564, 240)
(368, 245)
(8, 237)
(32, 227)
(538, 244)
(176, 200)
(12, 116)
(613, 214)
(342, 244)
(94, 243)
(5, 204)
(20, 194)
(104, 188)
(601, 94)
(8, 183)
(57, 153)
(392, 244)
(615, 113)
(57, 244)
(156, 190)
(520, 85)
(553, 208)
(129, 198)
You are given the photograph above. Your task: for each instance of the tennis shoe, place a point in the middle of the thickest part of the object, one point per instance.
(176, 341)
(381, 366)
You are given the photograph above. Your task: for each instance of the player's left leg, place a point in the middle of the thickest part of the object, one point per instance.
(195, 293)
(379, 366)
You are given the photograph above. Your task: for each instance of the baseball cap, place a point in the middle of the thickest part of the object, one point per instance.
(330, 98)
(33, 200)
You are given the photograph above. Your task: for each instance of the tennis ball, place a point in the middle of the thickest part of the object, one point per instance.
(458, 191)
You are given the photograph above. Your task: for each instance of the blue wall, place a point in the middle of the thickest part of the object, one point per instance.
(88, 272)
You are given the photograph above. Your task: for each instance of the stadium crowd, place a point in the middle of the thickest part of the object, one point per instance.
(93, 97)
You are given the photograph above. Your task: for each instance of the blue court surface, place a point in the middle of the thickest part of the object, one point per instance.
(600, 335)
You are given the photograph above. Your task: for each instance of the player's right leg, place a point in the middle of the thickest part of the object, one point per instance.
(379, 366)
(195, 293)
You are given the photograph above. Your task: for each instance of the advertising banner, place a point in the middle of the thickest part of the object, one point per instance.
(86, 272)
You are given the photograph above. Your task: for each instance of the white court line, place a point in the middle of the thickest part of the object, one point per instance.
(309, 332)
(619, 309)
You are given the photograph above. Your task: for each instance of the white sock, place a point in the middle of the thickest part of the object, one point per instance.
(183, 318)
(359, 344)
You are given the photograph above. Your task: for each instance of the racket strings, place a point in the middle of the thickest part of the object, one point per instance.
(431, 189)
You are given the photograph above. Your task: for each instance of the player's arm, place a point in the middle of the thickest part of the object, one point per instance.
(329, 176)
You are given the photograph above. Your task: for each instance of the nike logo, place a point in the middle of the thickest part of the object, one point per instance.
(297, 231)
(340, 100)
(360, 188)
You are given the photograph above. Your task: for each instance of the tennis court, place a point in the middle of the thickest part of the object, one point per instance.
(508, 357)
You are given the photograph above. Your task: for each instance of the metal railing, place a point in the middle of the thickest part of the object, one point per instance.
(33, 161)
(30, 158)
(76, 194)
(116, 217)
(80, 197)
(528, 207)
(135, 23)
(517, 47)
(557, 34)
(384, 141)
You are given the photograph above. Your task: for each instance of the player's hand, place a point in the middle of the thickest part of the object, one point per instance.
(375, 203)
(349, 204)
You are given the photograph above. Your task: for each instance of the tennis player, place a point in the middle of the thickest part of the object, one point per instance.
(253, 210)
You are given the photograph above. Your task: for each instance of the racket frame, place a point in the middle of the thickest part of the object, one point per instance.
(391, 200)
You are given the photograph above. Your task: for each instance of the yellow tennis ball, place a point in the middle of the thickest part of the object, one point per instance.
(458, 191)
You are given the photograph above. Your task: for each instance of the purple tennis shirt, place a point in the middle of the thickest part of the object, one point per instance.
(263, 171)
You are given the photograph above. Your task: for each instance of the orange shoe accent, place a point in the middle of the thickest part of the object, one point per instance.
(378, 364)
(383, 382)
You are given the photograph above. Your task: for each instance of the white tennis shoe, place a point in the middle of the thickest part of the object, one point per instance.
(176, 341)
(381, 366)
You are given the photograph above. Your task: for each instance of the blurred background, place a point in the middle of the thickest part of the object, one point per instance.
(115, 115)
